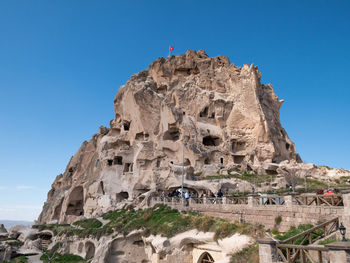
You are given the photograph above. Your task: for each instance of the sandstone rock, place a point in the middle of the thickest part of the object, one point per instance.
(5, 252)
(23, 233)
(2, 229)
(218, 114)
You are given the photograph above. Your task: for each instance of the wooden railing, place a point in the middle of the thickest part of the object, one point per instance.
(264, 200)
(324, 200)
(298, 246)
(197, 200)
(233, 200)
(214, 200)
(269, 200)
(294, 252)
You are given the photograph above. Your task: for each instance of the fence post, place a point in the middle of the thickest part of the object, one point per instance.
(250, 201)
(288, 200)
(339, 252)
(224, 200)
(267, 250)
(346, 214)
(205, 201)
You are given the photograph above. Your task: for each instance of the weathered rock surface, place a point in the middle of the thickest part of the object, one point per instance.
(135, 247)
(219, 114)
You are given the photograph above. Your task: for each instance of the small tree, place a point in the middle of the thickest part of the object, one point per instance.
(51, 254)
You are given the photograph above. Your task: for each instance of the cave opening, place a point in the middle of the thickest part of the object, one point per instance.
(238, 159)
(76, 202)
(126, 125)
(90, 250)
(118, 160)
(204, 112)
(211, 141)
(128, 167)
(122, 196)
(172, 134)
(287, 146)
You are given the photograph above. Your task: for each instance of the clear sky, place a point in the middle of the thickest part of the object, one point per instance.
(61, 63)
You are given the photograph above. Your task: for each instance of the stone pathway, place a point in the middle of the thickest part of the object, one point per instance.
(34, 259)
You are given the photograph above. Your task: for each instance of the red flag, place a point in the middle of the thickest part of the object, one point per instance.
(171, 48)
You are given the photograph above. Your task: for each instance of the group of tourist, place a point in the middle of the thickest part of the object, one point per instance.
(187, 194)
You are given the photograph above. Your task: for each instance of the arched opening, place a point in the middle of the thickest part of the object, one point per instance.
(90, 250)
(205, 258)
(57, 211)
(76, 202)
(287, 145)
(126, 125)
(122, 196)
(204, 112)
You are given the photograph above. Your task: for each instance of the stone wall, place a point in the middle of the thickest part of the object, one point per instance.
(291, 214)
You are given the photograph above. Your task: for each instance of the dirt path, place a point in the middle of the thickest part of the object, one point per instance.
(34, 259)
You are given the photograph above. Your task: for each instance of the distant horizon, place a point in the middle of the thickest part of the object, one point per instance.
(62, 63)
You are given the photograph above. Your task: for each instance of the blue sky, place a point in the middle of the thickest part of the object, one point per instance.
(61, 63)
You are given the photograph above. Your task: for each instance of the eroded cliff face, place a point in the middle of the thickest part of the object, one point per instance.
(221, 113)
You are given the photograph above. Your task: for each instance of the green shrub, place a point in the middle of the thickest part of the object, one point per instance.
(278, 220)
(247, 255)
(328, 241)
(88, 223)
(297, 230)
(63, 259)
(159, 219)
(275, 232)
(21, 259)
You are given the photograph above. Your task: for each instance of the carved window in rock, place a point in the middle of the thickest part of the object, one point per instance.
(128, 167)
(206, 258)
(109, 162)
(126, 125)
(211, 140)
(204, 112)
(287, 146)
(118, 160)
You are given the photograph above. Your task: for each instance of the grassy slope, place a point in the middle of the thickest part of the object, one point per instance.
(159, 219)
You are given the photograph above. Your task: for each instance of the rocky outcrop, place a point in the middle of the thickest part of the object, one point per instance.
(135, 247)
(214, 113)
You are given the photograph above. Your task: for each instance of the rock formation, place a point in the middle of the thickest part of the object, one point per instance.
(214, 113)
